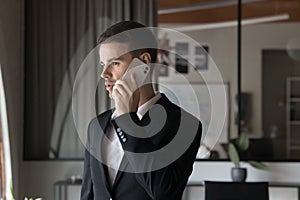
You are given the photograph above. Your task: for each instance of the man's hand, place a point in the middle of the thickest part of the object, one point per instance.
(126, 96)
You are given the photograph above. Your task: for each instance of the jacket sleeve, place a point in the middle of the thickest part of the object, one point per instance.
(167, 182)
(87, 183)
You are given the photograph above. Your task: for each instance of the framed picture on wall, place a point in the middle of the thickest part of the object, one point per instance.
(182, 57)
(201, 57)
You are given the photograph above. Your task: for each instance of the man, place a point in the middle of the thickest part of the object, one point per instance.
(147, 144)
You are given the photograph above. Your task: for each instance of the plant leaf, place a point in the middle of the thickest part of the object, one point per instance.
(11, 190)
(233, 155)
(258, 165)
(242, 142)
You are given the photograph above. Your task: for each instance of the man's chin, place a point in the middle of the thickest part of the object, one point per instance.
(110, 95)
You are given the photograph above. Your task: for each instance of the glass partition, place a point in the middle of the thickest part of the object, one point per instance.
(212, 58)
(270, 78)
(261, 63)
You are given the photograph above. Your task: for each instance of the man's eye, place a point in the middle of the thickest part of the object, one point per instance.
(114, 63)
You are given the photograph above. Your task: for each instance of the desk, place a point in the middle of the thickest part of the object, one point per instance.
(271, 184)
(61, 188)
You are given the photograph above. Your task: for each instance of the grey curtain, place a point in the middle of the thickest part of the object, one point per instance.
(59, 36)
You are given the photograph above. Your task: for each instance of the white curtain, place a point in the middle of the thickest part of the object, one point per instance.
(5, 153)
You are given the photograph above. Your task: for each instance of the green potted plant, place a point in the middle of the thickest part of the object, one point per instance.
(238, 173)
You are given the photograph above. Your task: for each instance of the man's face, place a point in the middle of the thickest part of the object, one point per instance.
(114, 61)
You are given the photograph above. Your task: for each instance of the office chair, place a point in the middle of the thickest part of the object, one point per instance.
(215, 190)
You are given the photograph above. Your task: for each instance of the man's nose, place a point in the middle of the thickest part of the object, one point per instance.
(105, 72)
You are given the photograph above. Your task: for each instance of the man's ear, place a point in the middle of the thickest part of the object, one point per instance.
(146, 57)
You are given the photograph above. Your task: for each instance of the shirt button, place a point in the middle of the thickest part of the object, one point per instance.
(124, 140)
(118, 129)
(120, 133)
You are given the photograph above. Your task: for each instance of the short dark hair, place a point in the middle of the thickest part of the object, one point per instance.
(142, 38)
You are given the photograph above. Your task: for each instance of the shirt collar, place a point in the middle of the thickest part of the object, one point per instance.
(145, 107)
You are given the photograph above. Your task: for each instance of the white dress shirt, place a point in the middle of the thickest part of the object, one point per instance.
(114, 151)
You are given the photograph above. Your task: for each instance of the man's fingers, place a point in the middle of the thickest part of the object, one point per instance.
(117, 92)
(124, 88)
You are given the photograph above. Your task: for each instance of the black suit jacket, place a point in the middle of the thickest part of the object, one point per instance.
(147, 177)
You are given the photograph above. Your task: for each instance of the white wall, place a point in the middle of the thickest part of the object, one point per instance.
(222, 43)
(256, 38)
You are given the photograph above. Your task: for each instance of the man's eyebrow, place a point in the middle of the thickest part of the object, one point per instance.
(111, 59)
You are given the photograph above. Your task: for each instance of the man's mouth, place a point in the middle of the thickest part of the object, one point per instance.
(109, 85)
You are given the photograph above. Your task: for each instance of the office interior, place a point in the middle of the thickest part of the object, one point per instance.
(257, 58)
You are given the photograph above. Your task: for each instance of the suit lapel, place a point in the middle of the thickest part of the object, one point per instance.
(104, 121)
(122, 169)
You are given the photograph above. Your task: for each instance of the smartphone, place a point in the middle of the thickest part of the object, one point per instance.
(140, 71)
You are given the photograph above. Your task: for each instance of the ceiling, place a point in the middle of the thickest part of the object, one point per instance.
(210, 11)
